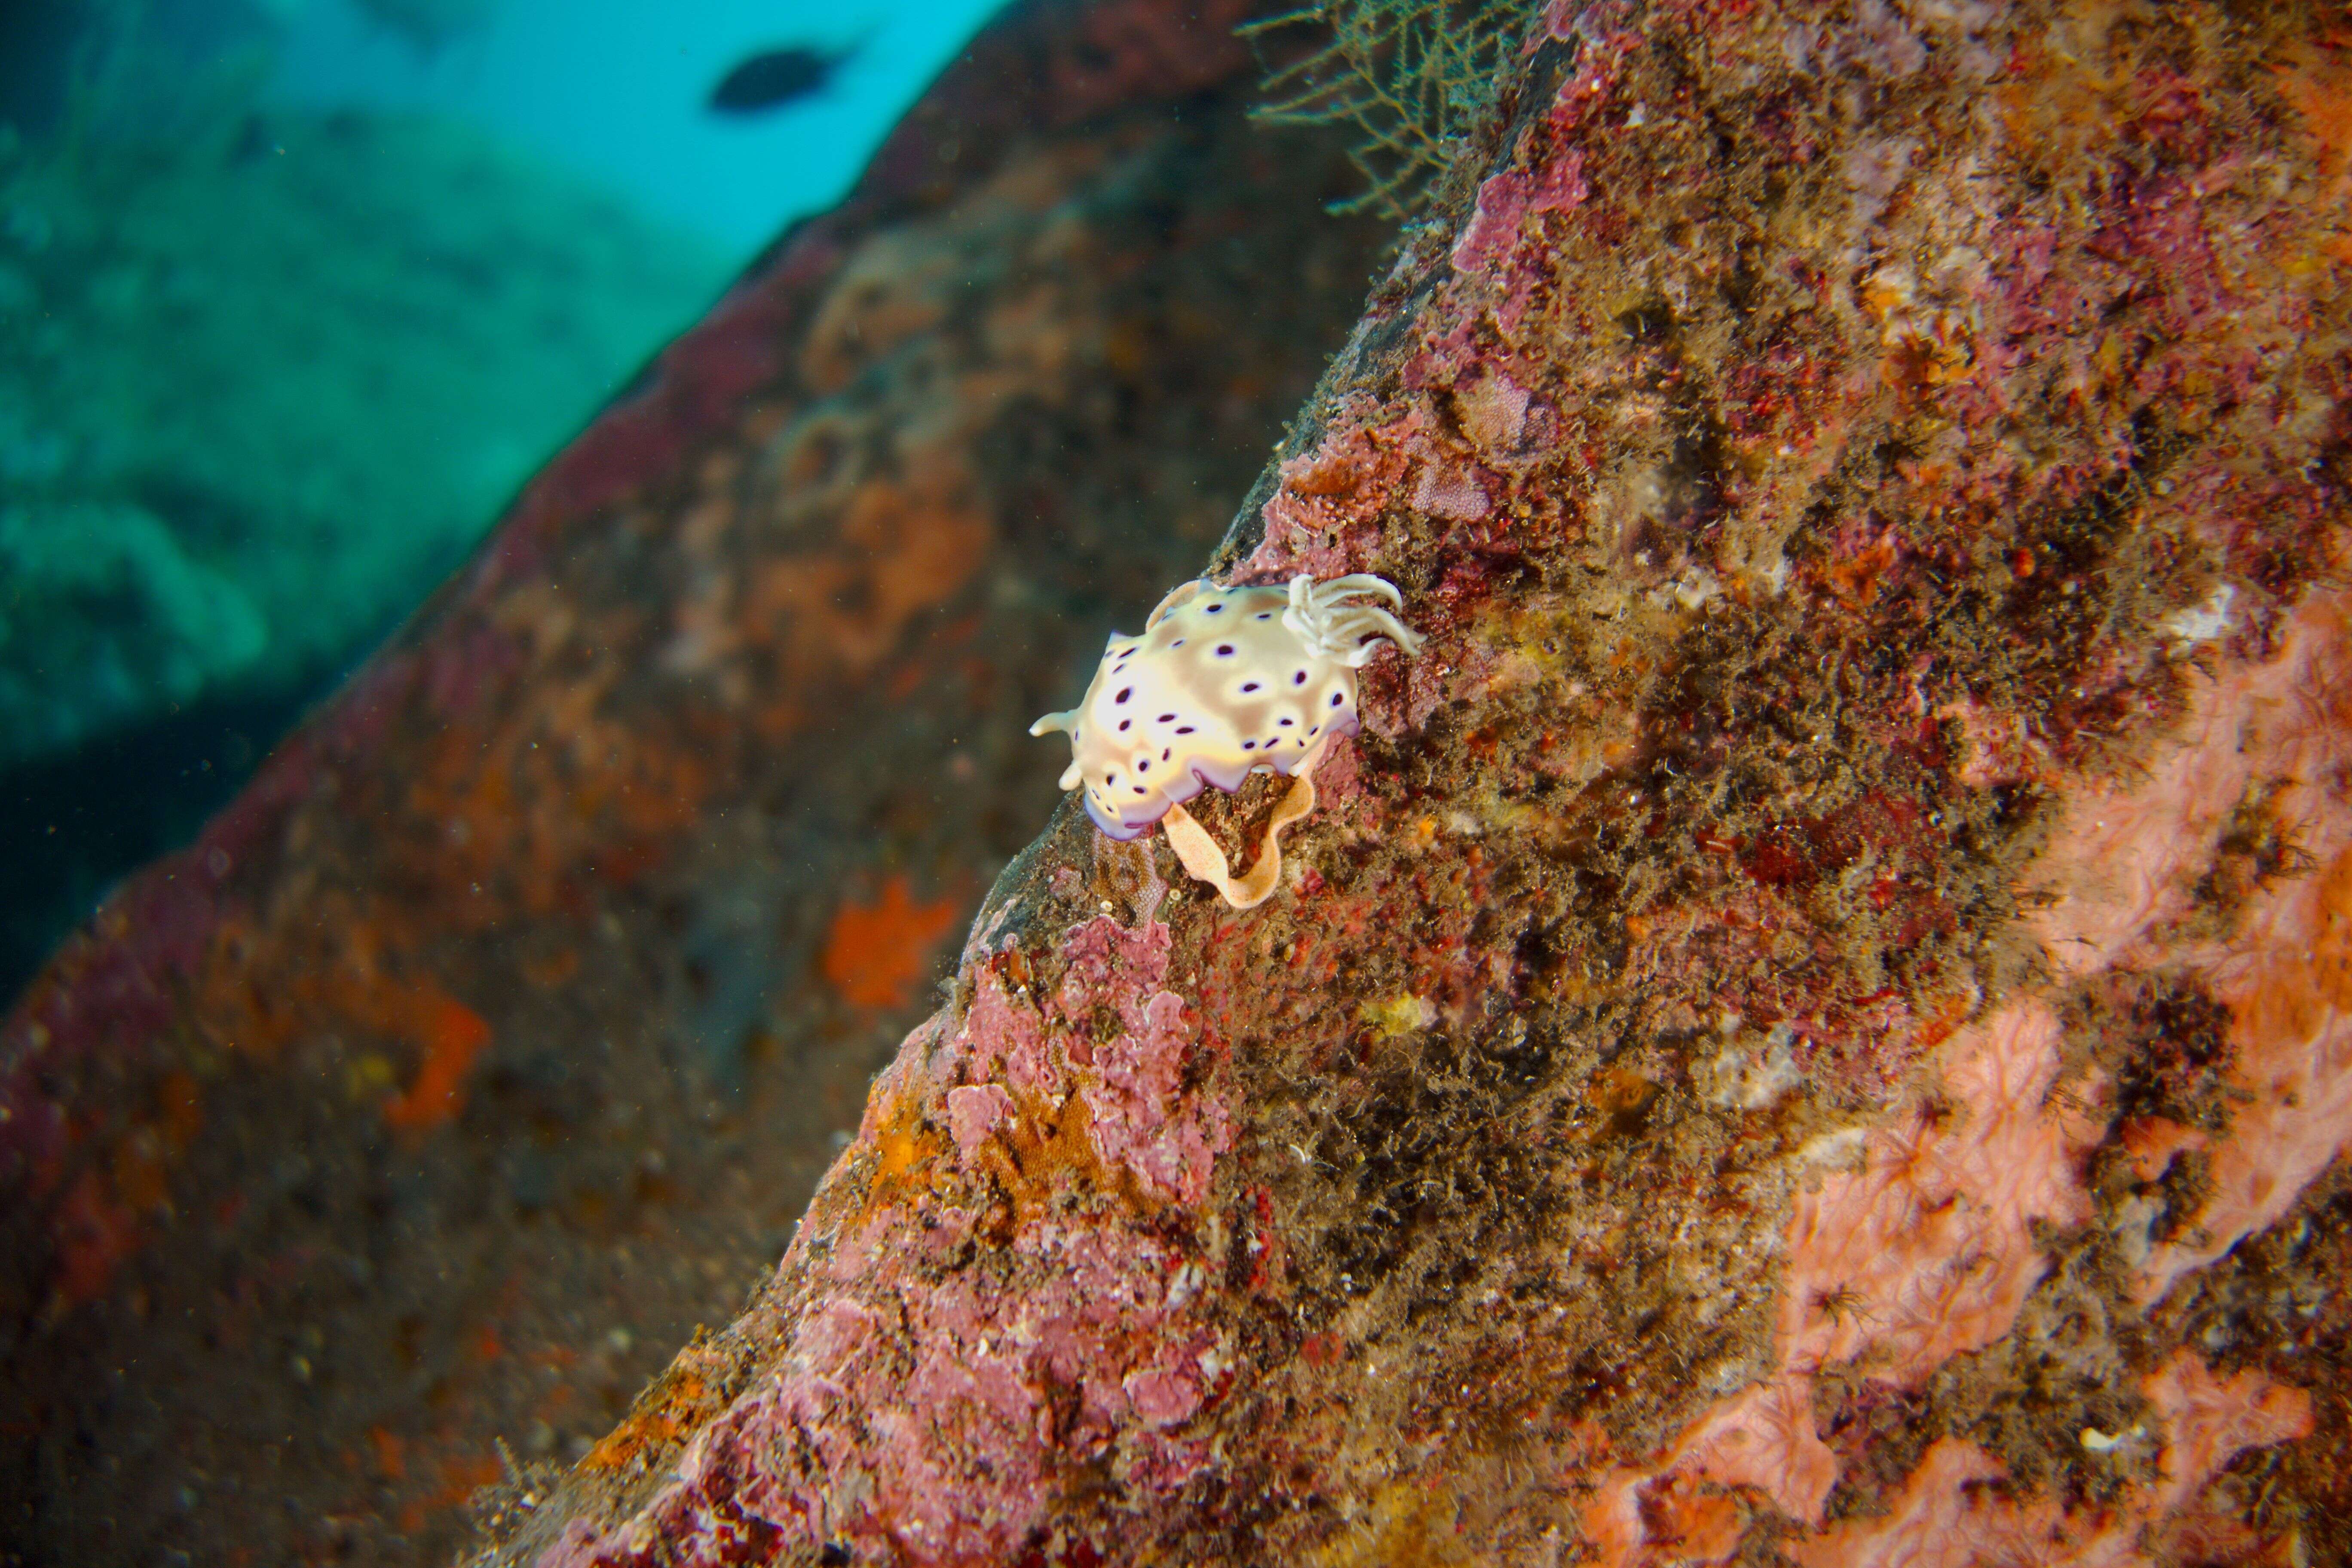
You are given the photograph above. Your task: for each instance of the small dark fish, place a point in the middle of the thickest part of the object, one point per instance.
(774, 78)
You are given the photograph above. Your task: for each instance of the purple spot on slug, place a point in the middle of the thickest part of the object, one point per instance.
(1165, 718)
(1125, 692)
(1249, 686)
(1126, 723)
(1337, 699)
(1224, 650)
(1266, 614)
(1184, 729)
(1163, 753)
(1249, 745)
(1299, 680)
(1285, 723)
(1216, 609)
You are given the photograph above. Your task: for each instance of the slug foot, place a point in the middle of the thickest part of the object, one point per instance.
(1206, 861)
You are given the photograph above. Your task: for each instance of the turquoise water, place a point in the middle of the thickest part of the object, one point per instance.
(294, 295)
(613, 91)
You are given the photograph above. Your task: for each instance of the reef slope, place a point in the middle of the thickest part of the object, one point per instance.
(1811, 1025)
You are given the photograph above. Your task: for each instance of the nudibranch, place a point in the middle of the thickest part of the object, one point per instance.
(1224, 682)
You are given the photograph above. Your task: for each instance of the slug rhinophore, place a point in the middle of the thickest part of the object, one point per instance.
(1222, 683)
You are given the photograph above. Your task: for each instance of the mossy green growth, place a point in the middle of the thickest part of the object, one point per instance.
(1410, 77)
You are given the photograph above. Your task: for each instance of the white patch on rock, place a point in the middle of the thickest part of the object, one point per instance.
(2205, 622)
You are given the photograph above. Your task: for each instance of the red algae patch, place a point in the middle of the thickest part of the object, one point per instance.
(454, 1035)
(875, 955)
(2123, 863)
(2209, 1420)
(1929, 1251)
(1942, 1519)
(2289, 989)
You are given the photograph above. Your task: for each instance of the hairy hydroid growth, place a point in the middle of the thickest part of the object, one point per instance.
(1411, 77)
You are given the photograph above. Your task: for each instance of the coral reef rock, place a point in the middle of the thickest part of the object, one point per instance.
(1812, 1024)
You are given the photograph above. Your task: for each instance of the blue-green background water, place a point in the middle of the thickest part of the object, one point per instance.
(294, 294)
(613, 91)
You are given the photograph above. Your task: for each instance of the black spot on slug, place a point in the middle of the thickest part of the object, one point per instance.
(1336, 699)
(1249, 686)
(1299, 680)
(1224, 650)
(1124, 693)
(1165, 718)
(1126, 723)
(1285, 723)
(1184, 729)
(1216, 609)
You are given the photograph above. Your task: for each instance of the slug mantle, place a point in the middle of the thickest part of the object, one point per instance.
(1222, 683)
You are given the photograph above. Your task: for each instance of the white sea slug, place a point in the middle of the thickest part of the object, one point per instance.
(1223, 682)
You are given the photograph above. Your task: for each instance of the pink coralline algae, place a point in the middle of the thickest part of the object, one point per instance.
(954, 1358)
(1142, 1117)
(1924, 1252)
(1945, 1517)
(2120, 896)
(1928, 1251)
(926, 1420)
(1132, 1099)
(975, 1112)
(1508, 201)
